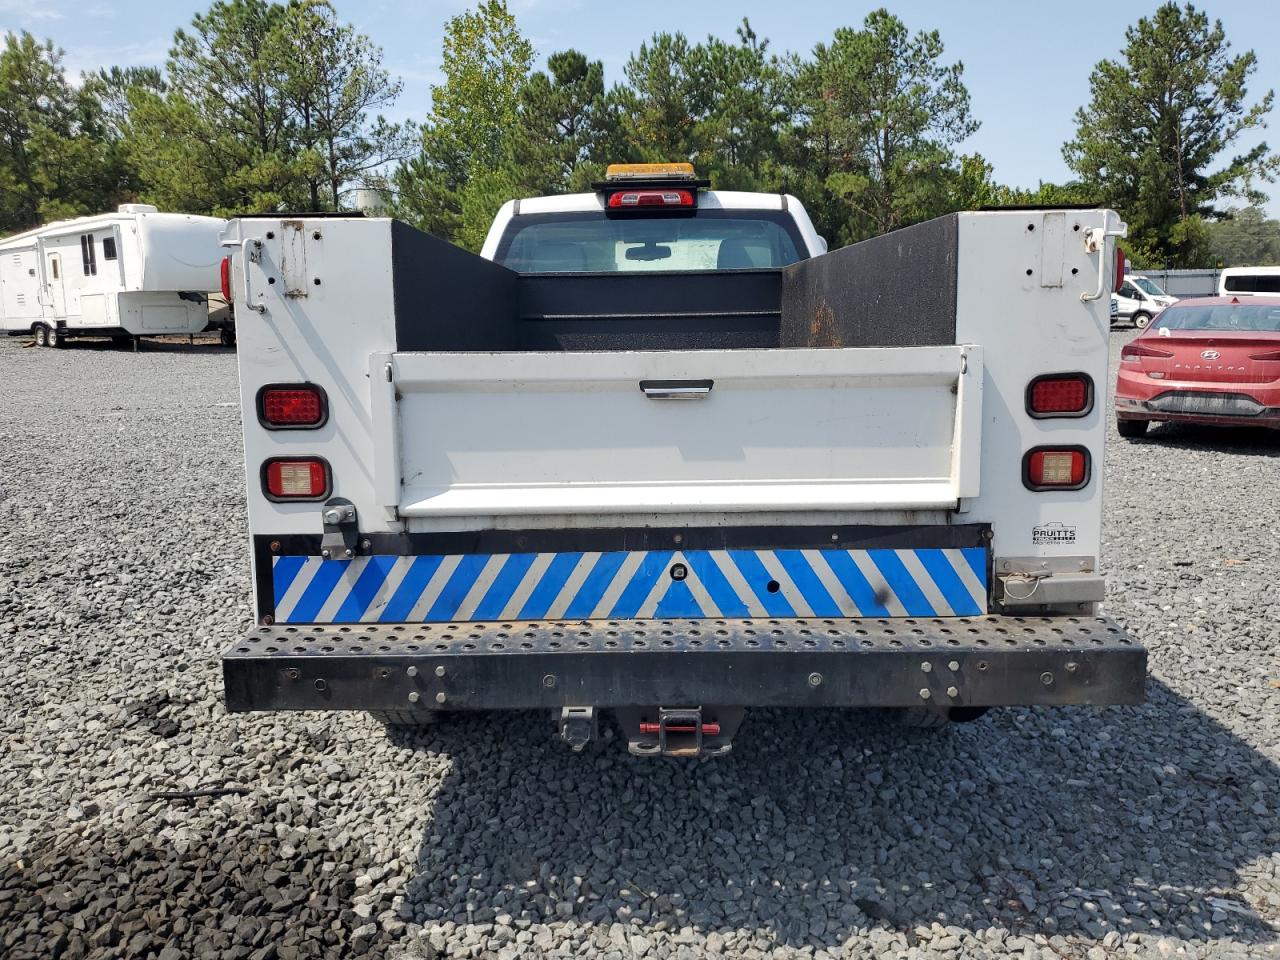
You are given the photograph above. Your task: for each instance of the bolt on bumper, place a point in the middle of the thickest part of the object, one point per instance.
(943, 662)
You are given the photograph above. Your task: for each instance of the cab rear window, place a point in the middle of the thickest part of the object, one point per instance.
(594, 243)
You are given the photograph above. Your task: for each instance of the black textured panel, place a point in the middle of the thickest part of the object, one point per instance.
(898, 290)
(447, 298)
(650, 311)
(651, 333)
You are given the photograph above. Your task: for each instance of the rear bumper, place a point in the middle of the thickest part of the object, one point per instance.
(944, 662)
(1229, 404)
(1229, 410)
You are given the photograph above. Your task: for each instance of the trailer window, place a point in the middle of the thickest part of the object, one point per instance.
(108, 248)
(53, 262)
(88, 255)
(593, 243)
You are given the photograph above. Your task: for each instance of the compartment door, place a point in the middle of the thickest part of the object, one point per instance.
(667, 432)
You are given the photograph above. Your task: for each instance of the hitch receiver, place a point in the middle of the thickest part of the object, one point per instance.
(680, 731)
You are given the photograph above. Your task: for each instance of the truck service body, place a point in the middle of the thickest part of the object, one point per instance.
(656, 452)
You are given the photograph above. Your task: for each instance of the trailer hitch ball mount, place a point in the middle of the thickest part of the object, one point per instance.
(661, 731)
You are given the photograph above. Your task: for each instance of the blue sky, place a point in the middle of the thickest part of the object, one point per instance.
(1026, 63)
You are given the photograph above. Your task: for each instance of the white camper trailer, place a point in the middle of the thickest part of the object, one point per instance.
(132, 273)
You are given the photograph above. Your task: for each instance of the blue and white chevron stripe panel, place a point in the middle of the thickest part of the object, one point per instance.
(627, 585)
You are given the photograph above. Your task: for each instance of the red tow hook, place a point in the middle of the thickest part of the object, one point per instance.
(708, 729)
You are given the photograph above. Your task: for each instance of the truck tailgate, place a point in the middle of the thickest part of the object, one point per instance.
(731, 430)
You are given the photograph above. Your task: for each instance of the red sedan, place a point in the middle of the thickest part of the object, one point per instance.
(1213, 360)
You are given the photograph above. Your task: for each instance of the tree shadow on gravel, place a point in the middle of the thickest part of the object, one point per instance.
(96, 891)
(821, 824)
(1252, 441)
(202, 345)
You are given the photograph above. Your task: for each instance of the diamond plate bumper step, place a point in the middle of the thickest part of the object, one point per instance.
(943, 662)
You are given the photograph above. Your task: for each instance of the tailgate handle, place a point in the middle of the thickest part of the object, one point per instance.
(676, 389)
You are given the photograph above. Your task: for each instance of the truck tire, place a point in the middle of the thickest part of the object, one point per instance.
(406, 718)
(1132, 429)
(1141, 319)
(923, 718)
(919, 718)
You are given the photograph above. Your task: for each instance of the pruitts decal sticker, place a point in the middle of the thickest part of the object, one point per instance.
(1053, 533)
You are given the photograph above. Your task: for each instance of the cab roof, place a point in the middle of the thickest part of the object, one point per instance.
(707, 200)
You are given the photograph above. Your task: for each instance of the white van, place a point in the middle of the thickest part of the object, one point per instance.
(1139, 299)
(1249, 282)
(136, 272)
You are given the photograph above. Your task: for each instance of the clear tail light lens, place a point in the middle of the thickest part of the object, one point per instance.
(1056, 468)
(1060, 395)
(296, 478)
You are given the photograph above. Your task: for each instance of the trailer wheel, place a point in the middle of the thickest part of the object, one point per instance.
(406, 718)
(227, 336)
(55, 338)
(41, 334)
(1132, 429)
(1141, 319)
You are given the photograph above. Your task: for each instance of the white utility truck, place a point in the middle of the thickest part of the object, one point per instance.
(1138, 299)
(128, 274)
(656, 453)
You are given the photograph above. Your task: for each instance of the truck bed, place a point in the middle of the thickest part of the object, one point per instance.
(889, 291)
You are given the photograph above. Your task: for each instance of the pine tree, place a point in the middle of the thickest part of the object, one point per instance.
(1152, 140)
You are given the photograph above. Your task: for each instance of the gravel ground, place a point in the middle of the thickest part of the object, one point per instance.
(1151, 831)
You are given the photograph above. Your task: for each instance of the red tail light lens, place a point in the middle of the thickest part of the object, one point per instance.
(300, 478)
(1056, 468)
(226, 279)
(630, 199)
(1133, 352)
(1120, 268)
(292, 406)
(1060, 395)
